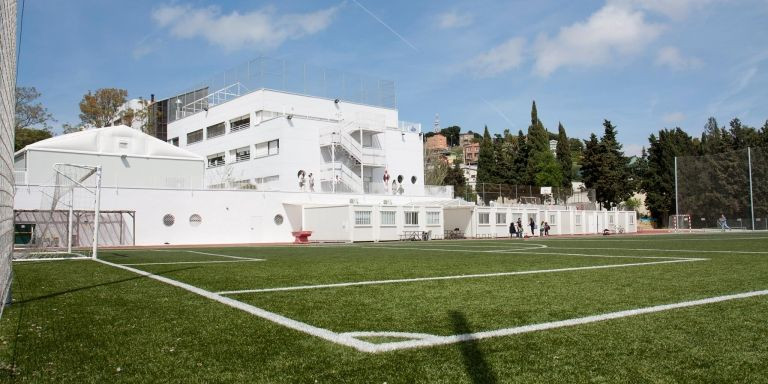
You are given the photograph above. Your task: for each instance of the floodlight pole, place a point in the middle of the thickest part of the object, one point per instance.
(96, 213)
(677, 206)
(751, 201)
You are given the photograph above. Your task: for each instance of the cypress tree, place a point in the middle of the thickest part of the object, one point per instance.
(564, 156)
(486, 161)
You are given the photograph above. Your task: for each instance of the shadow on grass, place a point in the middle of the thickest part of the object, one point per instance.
(55, 294)
(474, 361)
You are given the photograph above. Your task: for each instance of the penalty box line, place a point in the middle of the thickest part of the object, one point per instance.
(206, 253)
(454, 277)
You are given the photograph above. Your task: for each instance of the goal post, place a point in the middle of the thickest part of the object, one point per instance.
(68, 221)
(680, 223)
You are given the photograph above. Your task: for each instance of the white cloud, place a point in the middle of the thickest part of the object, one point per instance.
(676, 9)
(613, 32)
(674, 118)
(453, 19)
(672, 58)
(262, 28)
(502, 58)
(633, 149)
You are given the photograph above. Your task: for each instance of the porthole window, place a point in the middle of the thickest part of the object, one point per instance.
(195, 220)
(400, 179)
(413, 179)
(168, 220)
(278, 219)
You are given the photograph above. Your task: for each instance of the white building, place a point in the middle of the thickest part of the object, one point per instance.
(267, 139)
(128, 157)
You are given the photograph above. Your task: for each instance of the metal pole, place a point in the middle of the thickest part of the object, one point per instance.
(751, 201)
(96, 213)
(69, 220)
(677, 207)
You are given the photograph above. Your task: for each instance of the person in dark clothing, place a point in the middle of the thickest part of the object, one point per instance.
(512, 229)
(531, 224)
(519, 227)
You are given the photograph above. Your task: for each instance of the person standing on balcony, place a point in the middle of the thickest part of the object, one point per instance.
(385, 178)
(311, 182)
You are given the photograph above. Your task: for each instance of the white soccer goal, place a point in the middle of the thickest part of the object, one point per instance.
(679, 223)
(67, 224)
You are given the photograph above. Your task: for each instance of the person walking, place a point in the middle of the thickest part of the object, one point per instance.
(723, 222)
(512, 229)
(311, 182)
(532, 224)
(519, 227)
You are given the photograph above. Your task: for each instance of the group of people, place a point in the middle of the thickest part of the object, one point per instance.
(306, 180)
(516, 228)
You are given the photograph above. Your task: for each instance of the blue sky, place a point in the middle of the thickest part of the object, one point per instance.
(643, 64)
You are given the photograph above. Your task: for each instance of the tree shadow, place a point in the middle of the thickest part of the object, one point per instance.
(55, 294)
(474, 361)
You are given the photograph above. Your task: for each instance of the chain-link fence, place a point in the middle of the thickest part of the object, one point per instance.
(282, 75)
(731, 185)
(488, 193)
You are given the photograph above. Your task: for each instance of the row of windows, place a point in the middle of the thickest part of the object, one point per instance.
(264, 149)
(501, 218)
(237, 124)
(388, 218)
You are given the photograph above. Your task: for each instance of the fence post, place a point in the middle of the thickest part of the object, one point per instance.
(751, 201)
(677, 208)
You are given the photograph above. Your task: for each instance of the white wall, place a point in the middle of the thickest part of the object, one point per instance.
(118, 171)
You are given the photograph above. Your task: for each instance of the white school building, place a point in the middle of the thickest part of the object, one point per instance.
(247, 163)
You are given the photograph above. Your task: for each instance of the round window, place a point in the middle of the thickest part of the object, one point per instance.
(195, 220)
(400, 179)
(413, 179)
(278, 219)
(168, 220)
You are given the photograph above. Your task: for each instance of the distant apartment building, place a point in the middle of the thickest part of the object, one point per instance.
(437, 142)
(466, 138)
(471, 153)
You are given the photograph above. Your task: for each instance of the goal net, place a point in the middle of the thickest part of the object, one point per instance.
(730, 184)
(67, 224)
(680, 223)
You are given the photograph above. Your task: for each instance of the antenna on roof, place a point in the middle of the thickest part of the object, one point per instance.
(437, 123)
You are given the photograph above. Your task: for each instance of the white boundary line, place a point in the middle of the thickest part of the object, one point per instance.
(665, 250)
(195, 262)
(525, 252)
(424, 340)
(455, 277)
(204, 253)
(432, 340)
(54, 259)
(264, 314)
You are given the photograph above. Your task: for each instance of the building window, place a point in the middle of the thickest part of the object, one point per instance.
(501, 218)
(362, 217)
(266, 183)
(240, 123)
(610, 219)
(411, 218)
(216, 160)
(387, 217)
(174, 141)
(484, 218)
(243, 154)
(274, 147)
(433, 218)
(552, 219)
(577, 219)
(267, 148)
(215, 130)
(632, 218)
(195, 137)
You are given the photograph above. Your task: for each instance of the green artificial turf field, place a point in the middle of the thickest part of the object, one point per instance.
(664, 308)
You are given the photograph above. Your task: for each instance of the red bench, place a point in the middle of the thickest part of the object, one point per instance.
(301, 237)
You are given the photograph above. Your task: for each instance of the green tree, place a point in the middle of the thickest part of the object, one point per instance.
(486, 160)
(452, 134)
(29, 113)
(69, 128)
(563, 152)
(521, 160)
(611, 188)
(538, 143)
(548, 170)
(100, 108)
(26, 136)
(590, 162)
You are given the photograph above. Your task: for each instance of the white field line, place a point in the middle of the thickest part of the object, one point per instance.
(517, 251)
(454, 277)
(670, 237)
(196, 262)
(264, 314)
(664, 250)
(54, 259)
(431, 341)
(204, 253)
(522, 246)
